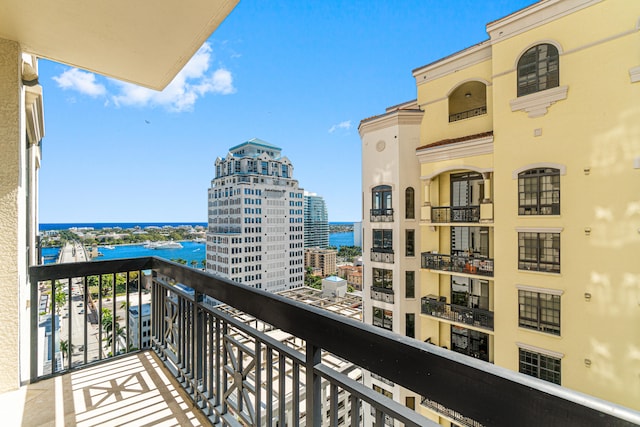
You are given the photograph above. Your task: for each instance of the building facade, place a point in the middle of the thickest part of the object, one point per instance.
(316, 221)
(323, 259)
(525, 176)
(256, 227)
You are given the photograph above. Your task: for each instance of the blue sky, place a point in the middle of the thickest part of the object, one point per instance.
(300, 75)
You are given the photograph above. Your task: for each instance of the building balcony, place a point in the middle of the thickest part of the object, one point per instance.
(382, 255)
(381, 215)
(382, 294)
(237, 362)
(458, 264)
(454, 214)
(468, 114)
(432, 306)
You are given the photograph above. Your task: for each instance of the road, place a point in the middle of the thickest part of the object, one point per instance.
(79, 318)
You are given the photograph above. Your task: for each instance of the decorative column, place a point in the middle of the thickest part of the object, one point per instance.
(486, 176)
(486, 207)
(425, 210)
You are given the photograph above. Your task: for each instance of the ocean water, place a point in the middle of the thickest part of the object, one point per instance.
(190, 250)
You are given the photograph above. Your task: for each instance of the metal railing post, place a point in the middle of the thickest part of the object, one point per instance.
(313, 386)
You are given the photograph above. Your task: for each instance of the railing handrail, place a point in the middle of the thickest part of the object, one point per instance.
(438, 372)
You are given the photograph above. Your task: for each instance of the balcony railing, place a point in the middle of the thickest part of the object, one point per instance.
(458, 264)
(469, 113)
(382, 294)
(381, 215)
(238, 374)
(457, 313)
(448, 214)
(382, 255)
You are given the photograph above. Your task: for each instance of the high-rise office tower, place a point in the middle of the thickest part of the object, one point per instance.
(256, 227)
(316, 221)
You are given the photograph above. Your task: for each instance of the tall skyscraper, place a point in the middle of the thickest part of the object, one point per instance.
(316, 221)
(255, 234)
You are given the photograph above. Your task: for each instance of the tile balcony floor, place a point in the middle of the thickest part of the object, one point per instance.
(135, 390)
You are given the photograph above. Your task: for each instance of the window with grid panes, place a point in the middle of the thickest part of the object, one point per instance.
(383, 240)
(539, 251)
(410, 242)
(409, 203)
(382, 278)
(540, 366)
(538, 69)
(539, 311)
(539, 192)
(409, 284)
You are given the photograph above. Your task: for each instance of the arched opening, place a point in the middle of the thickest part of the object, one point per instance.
(468, 100)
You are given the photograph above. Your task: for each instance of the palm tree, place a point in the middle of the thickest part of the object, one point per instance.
(203, 263)
(64, 348)
(194, 263)
(109, 325)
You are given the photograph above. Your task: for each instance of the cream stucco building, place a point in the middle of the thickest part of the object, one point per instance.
(502, 207)
(148, 48)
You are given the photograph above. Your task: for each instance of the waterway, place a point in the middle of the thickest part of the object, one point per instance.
(191, 251)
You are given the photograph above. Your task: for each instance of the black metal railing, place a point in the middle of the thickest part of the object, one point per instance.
(457, 313)
(382, 255)
(382, 294)
(469, 113)
(448, 214)
(381, 215)
(458, 264)
(239, 374)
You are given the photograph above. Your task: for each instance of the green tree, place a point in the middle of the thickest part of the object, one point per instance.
(60, 297)
(112, 328)
(203, 263)
(311, 280)
(64, 348)
(194, 263)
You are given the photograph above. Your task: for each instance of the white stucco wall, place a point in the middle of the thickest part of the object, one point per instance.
(12, 227)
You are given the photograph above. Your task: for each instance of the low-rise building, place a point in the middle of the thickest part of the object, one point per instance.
(325, 259)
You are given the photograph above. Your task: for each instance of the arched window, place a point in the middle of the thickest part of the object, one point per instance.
(381, 197)
(409, 203)
(539, 192)
(381, 206)
(538, 69)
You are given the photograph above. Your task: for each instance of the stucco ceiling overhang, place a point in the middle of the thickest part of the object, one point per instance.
(146, 42)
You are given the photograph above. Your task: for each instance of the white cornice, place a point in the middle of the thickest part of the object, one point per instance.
(562, 168)
(634, 73)
(539, 290)
(539, 229)
(393, 118)
(452, 63)
(34, 113)
(457, 150)
(535, 349)
(534, 16)
(536, 104)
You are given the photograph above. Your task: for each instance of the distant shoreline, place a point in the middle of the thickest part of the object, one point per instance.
(124, 225)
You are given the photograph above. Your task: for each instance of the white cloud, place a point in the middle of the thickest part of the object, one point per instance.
(346, 125)
(81, 81)
(181, 94)
(194, 81)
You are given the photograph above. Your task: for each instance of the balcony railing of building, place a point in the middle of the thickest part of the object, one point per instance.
(382, 294)
(382, 255)
(457, 313)
(467, 114)
(449, 214)
(458, 264)
(381, 215)
(238, 374)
